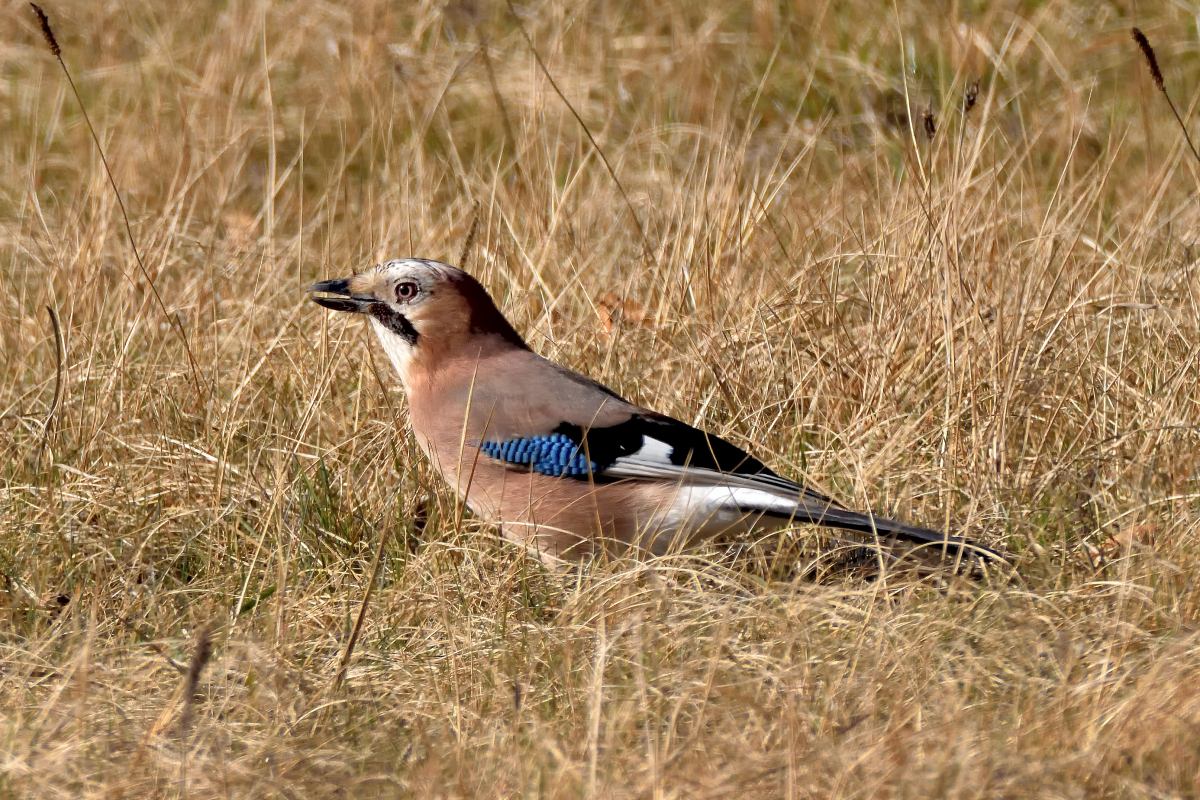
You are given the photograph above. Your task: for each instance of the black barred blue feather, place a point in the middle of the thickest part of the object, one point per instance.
(555, 455)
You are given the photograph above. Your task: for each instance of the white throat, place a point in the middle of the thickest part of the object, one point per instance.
(399, 352)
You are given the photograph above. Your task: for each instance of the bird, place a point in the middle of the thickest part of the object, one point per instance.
(565, 466)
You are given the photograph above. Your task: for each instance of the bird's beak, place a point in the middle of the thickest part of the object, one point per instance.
(336, 296)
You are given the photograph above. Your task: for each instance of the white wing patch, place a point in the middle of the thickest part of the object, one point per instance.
(653, 461)
(652, 451)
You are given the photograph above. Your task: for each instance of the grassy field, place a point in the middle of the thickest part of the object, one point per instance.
(801, 226)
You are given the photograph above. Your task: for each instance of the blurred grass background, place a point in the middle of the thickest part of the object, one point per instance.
(991, 326)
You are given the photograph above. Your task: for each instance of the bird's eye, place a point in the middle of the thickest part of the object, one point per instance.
(406, 291)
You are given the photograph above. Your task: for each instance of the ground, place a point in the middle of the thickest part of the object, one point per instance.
(940, 263)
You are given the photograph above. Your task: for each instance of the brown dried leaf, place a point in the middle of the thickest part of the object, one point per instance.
(616, 310)
(1126, 539)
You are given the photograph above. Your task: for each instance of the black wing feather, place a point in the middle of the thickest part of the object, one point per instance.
(690, 449)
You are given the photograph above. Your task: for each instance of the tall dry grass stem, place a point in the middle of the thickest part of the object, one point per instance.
(201, 655)
(647, 250)
(60, 359)
(172, 319)
(368, 591)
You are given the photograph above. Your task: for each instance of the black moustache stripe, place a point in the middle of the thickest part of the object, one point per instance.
(395, 322)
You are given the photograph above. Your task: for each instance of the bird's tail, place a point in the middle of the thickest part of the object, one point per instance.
(883, 528)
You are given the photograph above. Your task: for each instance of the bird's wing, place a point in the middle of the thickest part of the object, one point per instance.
(645, 446)
(556, 422)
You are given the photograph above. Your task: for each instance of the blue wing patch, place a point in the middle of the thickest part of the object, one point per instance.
(555, 455)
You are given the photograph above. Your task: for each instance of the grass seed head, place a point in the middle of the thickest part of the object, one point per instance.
(1151, 59)
(47, 31)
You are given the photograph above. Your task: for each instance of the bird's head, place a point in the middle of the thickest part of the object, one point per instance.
(424, 312)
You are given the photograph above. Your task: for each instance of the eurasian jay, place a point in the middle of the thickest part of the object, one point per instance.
(564, 465)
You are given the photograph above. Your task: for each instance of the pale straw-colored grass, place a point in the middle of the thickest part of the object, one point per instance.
(994, 329)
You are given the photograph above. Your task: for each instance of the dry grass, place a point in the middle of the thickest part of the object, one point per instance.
(995, 327)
